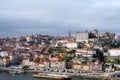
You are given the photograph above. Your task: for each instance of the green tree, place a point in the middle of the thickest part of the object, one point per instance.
(72, 52)
(78, 56)
(25, 68)
(92, 35)
(67, 58)
(115, 61)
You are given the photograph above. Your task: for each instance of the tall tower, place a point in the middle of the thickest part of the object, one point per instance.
(69, 34)
(70, 38)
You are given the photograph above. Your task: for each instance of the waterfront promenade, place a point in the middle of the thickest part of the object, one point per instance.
(70, 72)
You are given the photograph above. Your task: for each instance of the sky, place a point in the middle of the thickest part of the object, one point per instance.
(58, 17)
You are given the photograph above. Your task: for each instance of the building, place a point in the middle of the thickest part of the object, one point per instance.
(6, 60)
(96, 66)
(29, 63)
(82, 36)
(61, 43)
(85, 52)
(94, 40)
(57, 62)
(44, 64)
(71, 44)
(80, 66)
(114, 52)
(3, 54)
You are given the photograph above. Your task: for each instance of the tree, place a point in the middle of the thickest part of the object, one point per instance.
(85, 60)
(78, 56)
(67, 58)
(115, 61)
(25, 68)
(71, 52)
(99, 54)
(91, 35)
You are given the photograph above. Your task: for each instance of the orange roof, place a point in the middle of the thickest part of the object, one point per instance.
(41, 62)
(115, 49)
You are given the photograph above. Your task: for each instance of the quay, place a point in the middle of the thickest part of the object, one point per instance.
(11, 70)
(84, 74)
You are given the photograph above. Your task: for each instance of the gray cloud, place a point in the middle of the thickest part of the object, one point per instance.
(19, 17)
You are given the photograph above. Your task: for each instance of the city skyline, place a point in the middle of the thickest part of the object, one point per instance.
(57, 17)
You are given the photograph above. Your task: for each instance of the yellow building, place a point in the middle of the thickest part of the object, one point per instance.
(81, 66)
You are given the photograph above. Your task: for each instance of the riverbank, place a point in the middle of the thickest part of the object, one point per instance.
(102, 75)
(28, 76)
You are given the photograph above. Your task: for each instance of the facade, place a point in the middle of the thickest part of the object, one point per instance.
(96, 66)
(72, 45)
(6, 60)
(82, 36)
(44, 64)
(85, 52)
(29, 63)
(81, 66)
(61, 43)
(114, 52)
(94, 40)
(3, 54)
(57, 63)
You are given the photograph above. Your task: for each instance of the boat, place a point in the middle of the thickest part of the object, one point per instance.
(16, 72)
(52, 76)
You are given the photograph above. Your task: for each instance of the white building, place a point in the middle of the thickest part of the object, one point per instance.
(85, 52)
(106, 54)
(3, 53)
(58, 64)
(82, 36)
(117, 38)
(114, 52)
(72, 44)
(44, 64)
(61, 43)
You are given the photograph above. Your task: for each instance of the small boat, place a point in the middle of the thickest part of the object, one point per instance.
(12, 72)
(16, 72)
(52, 76)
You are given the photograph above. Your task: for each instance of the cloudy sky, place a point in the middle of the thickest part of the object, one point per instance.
(57, 17)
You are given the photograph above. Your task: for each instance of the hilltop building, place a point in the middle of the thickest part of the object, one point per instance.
(114, 52)
(82, 36)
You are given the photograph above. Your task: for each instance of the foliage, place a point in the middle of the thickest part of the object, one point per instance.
(25, 68)
(115, 61)
(92, 35)
(72, 51)
(85, 60)
(78, 56)
(67, 58)
(56, 49)
(118, 69)
(115, 45)
(99, 54)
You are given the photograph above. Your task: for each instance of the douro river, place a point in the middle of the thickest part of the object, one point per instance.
(28, 76)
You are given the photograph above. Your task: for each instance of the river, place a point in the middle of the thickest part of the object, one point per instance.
(28, 76)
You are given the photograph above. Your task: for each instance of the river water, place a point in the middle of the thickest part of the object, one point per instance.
(28, 76)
